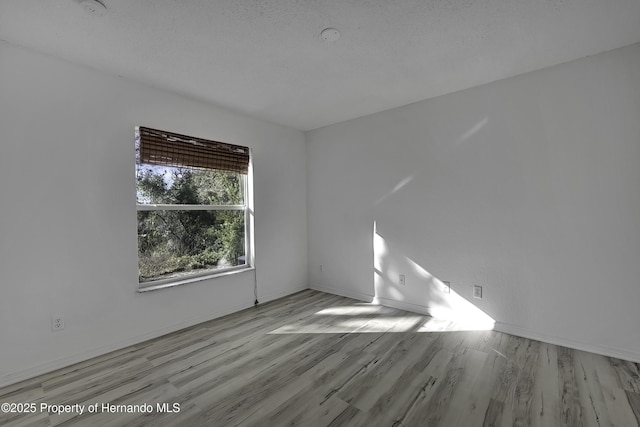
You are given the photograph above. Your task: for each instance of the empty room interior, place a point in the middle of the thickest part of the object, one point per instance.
(320, 213)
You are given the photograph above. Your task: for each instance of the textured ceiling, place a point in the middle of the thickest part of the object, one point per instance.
(267, 59)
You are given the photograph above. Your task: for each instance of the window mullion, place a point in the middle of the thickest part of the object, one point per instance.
(162, 207)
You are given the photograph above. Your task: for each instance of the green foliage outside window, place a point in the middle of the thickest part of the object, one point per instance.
(176, 242)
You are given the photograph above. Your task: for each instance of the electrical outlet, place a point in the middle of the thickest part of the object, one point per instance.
(402, 280)
(57, 323)
(321, 268)
(446, 287)
(477, 292)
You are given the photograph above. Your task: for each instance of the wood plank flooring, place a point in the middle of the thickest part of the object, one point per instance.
(314, 359)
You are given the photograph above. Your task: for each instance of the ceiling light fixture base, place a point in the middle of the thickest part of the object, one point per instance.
(330, 34)
(94, 7)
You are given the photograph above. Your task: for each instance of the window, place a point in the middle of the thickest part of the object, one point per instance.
(192, 207)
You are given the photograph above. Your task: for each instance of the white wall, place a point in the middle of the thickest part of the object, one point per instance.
(529, 187)
(67, 219)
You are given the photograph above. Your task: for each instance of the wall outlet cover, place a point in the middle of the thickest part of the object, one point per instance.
(57, 323)
(477, 292)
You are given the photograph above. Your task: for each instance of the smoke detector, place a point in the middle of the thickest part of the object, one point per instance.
(94, 7)
(330, 34)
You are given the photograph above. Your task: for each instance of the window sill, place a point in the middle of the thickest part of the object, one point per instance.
(185, 281)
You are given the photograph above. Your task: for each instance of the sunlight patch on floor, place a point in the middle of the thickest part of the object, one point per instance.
(444, 325)
(349, 310)
(345, 321)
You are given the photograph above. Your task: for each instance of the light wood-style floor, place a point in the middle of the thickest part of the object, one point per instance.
(314, 359)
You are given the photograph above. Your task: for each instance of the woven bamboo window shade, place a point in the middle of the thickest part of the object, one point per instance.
(158, 147)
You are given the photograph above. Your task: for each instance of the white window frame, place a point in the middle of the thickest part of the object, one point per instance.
(192, 277)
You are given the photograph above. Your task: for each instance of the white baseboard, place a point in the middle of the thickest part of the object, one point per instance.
(34, 371)
(270, 296)
(506, 328)
(414, 308)
(355, 295)
(551, 339)
(15, 377)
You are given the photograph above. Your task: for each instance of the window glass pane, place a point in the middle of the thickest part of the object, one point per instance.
(179, 243)
(187, 186)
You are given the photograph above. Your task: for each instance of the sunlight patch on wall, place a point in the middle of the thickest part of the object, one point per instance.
(424, 294)
(383, 270)
(379, 248)
(417, 268)
(451, 306)
(474, 129)
(395, 189)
